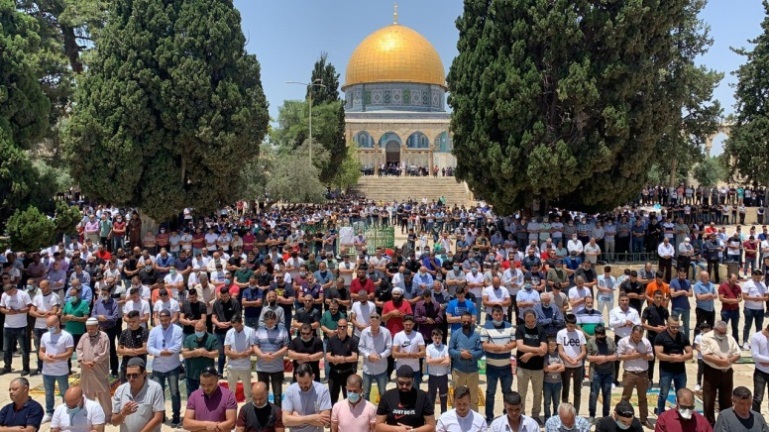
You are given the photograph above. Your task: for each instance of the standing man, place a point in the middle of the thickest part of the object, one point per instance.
(409, 347)
(211, 407)
(307, 406)
(15, 304)
(573, 350)
(238, 347)
(497, 341)
(465, 351)
(342, 355)
(654, 320)
(46, 303)
(138, 392)
(636, 351)
(225, 307)
(680, 291)
(673, 350)
(354, 414)
(306, 349)
(56, 346)
(405, 407)
(132, 342)
(105, 310)
(730, 295)
(705, 293)
(759, 349)
(531, 348)
(755, 295)
(270, 346)
(164, 345)
(200, 350)
(375, 346)
(602, 354)
(719, 352)
(622, 319)
(93, 356)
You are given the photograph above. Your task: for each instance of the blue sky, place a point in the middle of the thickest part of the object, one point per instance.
(288, 36)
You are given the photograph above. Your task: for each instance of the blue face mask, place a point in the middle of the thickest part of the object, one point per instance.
(200, 334)
(227, 281)
(73, 411)
(353, 397)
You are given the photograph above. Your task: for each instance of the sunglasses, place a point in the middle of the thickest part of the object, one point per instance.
(306, 334)
(686, 407)
(341, 326)
(132, 376)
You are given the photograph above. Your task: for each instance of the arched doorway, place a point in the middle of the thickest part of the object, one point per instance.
(393, 152)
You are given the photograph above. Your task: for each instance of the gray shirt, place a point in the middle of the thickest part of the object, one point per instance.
(728, 421)
(313, 401)
(150, 399)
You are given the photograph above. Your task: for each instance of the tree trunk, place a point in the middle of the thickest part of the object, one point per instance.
(72, 49)
(673, 169)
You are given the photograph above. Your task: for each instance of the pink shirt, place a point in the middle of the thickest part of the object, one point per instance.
(353, 418)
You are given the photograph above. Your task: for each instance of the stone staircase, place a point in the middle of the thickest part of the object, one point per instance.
(402, 188)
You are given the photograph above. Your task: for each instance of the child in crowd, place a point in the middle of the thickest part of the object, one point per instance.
(704, 328)
(438, 365)
(552, 383)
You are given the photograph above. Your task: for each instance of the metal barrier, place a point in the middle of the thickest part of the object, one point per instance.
(376, 237)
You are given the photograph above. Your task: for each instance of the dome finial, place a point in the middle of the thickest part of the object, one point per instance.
(395, 14)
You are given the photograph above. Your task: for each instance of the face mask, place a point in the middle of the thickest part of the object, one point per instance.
(621, 425)
(227, 281)
(200, 334)
(588, 308)
(466, 326)
(685, 414)
(73, 411)
(353, 397)
(52, 329)
(456, 268)
(148, 266)
(528, 287)
(719, 337)
(261, 406)
(75, 300)
(302, 274)
(475, 270)
(497, 323)
(272, 303)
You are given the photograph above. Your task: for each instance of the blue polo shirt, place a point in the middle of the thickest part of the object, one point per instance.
(30, 414)
(700, 288)
(681, 302)
(251, 294)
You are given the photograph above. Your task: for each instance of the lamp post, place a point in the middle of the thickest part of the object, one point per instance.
(316, 83)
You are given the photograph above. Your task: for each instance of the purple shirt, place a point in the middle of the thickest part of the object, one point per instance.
(212, 408)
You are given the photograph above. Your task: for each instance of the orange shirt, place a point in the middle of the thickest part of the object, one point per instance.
(652, 286)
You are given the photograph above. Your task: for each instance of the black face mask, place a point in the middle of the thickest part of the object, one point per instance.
(466, 326)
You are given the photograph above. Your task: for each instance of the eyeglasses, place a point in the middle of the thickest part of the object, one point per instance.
(132, 376)
(686, 407)
(341, 326)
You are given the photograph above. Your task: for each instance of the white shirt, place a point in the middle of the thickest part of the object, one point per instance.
(617, 318)
(759, 348)
(408, 343)
(142, 306)
(478, 278)
(18, 301)
(576, 293)
(55, 344)
(451, 422)
(592, 252)
(434, 352)
(512, 278)
(240, 342)
(754, 289)
(501, 424)
(575, 245)
(665, 251)
(607, 282)
(495, 295)
(44, 304)
(172, 306)
(362, 313)
(572, 342)
(90, 415)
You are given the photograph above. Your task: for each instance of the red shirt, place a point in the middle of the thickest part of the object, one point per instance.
(729, 292)
(248, 242)
(670, 421)
(198, 240)
(356, 286)
(395, 324)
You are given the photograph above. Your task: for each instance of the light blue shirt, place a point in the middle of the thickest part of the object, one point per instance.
(554, 424)
(86, 293)
(527, 296)
(165, 339)
(418, 279)
(437, 352)
(700, 288)
(313, 401)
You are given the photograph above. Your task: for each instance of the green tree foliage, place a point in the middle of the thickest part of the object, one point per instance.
(335, 141)
(169, 108)
(709, 171)
(30, 230)
(294, 180)
(348, 173)
(67, 218)
(748, 143)
(562, 100)
(325, 73)
(256, 173)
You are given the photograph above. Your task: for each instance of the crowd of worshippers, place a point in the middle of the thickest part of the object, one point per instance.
(713, 196)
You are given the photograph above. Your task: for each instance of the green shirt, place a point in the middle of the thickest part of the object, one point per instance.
(195, 365)
(81, 309)
(243, 275)
(330, 321)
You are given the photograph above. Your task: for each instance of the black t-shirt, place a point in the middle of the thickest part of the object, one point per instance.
(608, 424)
(532, 338)
(672, 345)
(314, 346)
(265, 419)
(408, 409)
(192, 311)
(635, 288)
(336, 293)
(346, 347)
(655, 316)
(307, 317)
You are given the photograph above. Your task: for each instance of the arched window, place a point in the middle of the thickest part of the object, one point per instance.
(418, 140)
(364, 140)
(389, 137)
(443, 143)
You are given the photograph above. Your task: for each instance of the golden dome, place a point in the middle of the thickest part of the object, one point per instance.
(395, 54)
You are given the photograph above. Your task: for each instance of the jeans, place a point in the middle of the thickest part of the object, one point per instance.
(48, 382)
(666, 379)
(38, 335)
(193, 384)
(750, 315)
(759, 388)
(381, 383)
(173, 387)
(252, 322)
(10, 336)
(478, 309)
(605, 303)
(684, 314)
(577, 375)
(493, 373)
(601, 382)
(734, 316)
(222, 357)
(552, 394)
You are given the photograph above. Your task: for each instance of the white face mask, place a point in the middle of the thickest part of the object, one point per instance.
(686, 414)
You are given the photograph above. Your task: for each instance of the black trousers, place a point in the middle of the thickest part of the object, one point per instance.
(113, 334)
(338, 381)
(713, 271)
(716, 381)
(274, 379)
(701, 316)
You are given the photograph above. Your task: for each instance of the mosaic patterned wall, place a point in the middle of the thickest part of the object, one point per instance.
(395, 96)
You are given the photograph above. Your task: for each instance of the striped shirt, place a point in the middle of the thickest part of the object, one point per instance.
(270, 341)
(497, 336)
